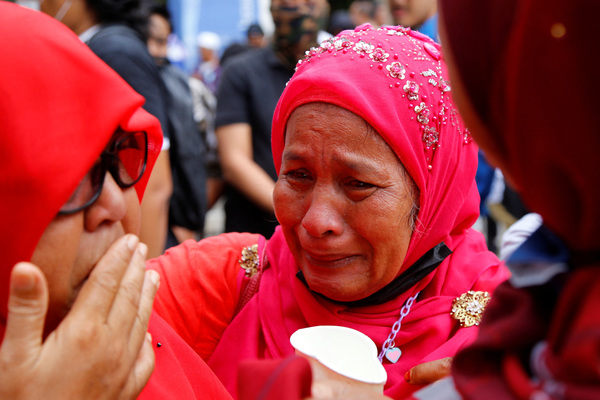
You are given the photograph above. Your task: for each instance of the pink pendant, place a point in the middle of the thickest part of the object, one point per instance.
(393, 355)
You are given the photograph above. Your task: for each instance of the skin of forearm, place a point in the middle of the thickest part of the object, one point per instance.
(253, 181)
(240, 169)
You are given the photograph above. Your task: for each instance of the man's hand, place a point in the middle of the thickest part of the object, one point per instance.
(100, 350)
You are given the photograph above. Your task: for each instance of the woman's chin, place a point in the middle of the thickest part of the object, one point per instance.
(338, 291)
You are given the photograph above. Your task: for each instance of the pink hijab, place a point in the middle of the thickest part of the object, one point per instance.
(395, 79)
(56, 121)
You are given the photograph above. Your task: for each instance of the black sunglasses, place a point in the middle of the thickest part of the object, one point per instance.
(125, 158)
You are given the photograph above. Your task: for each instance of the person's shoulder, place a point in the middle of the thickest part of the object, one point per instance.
(248, 59)
(174, 72)
(252, 65)
(116, 32)
(118, 39)
(233, 50)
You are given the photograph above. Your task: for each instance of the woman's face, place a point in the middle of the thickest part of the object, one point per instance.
(344, 202)
(72, 245)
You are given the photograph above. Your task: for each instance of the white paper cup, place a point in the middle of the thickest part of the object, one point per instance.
(341, 354)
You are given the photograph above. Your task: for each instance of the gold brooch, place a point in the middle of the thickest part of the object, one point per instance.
(469, 307)
(249, 261)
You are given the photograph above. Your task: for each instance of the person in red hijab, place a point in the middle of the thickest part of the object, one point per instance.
(523, 81)
(75, 299)
(376, 198)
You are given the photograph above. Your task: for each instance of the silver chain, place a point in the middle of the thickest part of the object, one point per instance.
(389, 342)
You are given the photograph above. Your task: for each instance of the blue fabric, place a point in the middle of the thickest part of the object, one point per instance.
(430, 28)
(543, 246)
(484, 178)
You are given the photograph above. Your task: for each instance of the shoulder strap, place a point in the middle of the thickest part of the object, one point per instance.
(254, 261)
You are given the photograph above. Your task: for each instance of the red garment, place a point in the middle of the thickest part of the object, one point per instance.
(50, 136)
(283, 305)
(199, 283)
(524, 67)
(514, 56)
(59, 107)
(289, 379)
(200, 291)
(448, 207)
(179, 372)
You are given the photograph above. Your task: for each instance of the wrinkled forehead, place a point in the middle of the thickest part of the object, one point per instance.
(352, 122)
(331, 133)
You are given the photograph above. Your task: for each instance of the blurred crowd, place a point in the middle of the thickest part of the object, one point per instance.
(216, 173)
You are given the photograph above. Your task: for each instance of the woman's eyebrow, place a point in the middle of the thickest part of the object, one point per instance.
(291, 155)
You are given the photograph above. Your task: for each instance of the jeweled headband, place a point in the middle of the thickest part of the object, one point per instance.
(413, 67)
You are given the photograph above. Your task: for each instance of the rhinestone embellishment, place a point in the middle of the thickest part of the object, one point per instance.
(469, 307)
(362, 47)
(369, 44)
(422, 113)
(430, 136)
(412, 90)
(396, 70)
(379, 55)
(249, 260)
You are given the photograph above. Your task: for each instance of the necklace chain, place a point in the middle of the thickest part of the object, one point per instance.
(389, 342)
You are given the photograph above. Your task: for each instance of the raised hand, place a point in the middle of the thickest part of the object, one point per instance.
(100, 350)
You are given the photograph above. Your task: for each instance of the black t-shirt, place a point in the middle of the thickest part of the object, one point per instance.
(251, 85)
(125, 51)
(187, 153)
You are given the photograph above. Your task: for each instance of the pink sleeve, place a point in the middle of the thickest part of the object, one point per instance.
(198, 291)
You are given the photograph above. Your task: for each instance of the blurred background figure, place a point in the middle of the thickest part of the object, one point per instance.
(255, 39)
(116, 32)
(362, 12)
(233, 50)
(322, 11)
(490, 185)
(205, 108)
(188, 203)
(208, 70)
(176, 51)
(340, 20)
(256, 36)
(159, 29)
(250, 87)
(382, 13)
(421, 15)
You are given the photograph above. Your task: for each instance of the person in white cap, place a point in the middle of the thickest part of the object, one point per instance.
(209, 70)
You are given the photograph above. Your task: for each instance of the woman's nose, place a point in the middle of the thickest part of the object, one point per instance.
(324, 214)
(111, 205)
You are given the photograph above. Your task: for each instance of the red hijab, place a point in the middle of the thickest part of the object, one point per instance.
(395, 79)
(59, 107)
(525, 67)
(512, 68)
